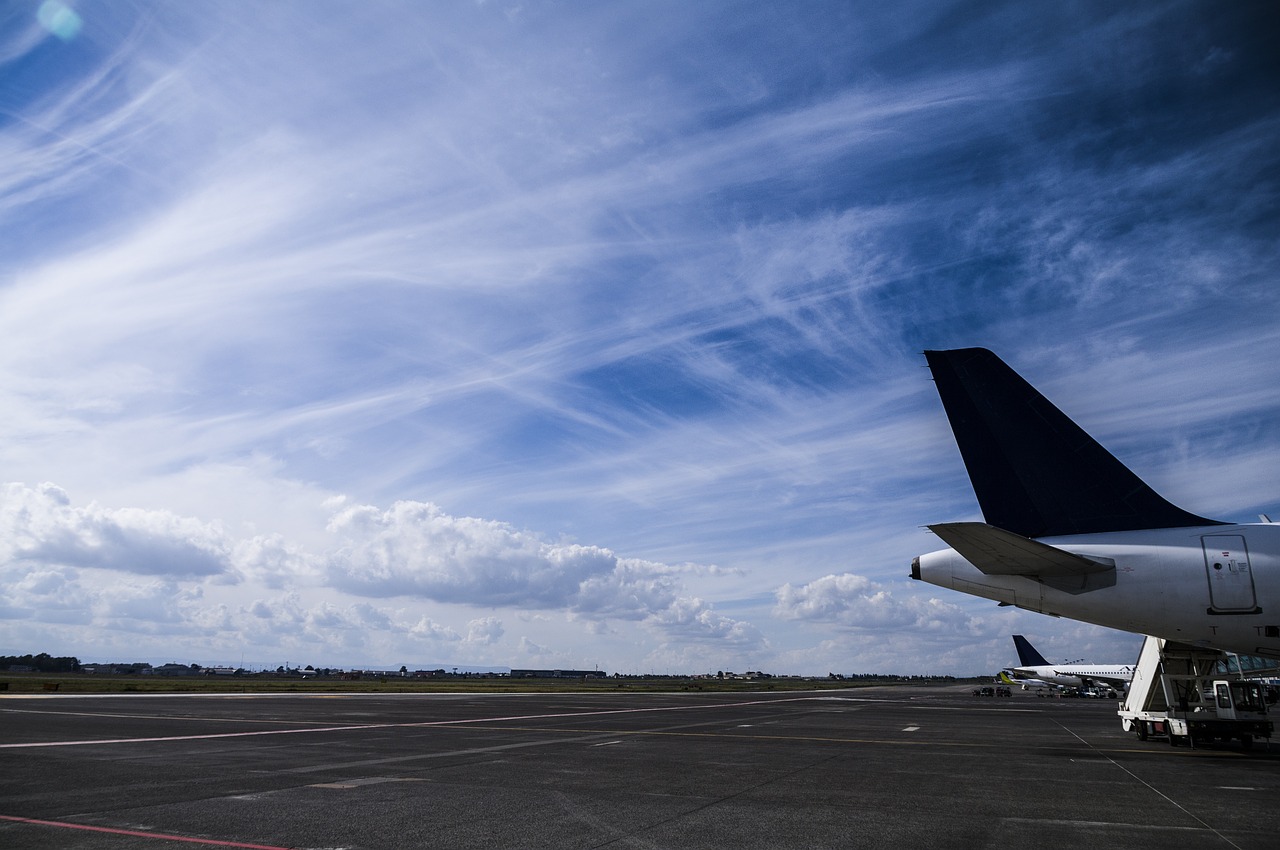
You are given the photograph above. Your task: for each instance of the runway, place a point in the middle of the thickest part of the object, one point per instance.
(913, 766)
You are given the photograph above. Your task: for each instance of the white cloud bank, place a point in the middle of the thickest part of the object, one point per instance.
(151, 572)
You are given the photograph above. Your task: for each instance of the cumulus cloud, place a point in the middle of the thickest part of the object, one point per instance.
(162, 608)
(134, 571)
(693, 619)
(289, 621)
(856, 602)
(632, 590)
(415, 549)
(534, 650)
(275, 561)
(428, 629)
(485, 630)
(45, 594)
(41, 525)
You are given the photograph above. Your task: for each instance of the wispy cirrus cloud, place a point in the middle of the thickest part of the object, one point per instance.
(508, 331)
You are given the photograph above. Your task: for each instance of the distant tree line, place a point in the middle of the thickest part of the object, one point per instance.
(887, 677)
(46, 663)
(43, 663)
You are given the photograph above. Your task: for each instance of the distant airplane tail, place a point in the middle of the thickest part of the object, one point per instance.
(1027, 655)
(1035, 472)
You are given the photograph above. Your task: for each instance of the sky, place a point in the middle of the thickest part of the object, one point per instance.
(589, 335)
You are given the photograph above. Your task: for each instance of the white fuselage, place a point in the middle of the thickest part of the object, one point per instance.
(1076, 675)
(1212, 586)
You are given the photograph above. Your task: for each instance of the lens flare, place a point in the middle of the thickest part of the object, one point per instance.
(59, 19)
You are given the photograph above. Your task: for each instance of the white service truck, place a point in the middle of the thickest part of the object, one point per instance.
(1183, 692)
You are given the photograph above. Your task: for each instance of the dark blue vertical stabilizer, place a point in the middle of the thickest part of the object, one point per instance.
(1027, 655)
(1034, 471)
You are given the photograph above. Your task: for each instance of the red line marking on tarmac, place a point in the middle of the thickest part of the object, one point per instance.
(200, 737)
(161, 836)
(417, 725)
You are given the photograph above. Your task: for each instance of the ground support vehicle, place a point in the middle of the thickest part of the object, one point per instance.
(1183, 693)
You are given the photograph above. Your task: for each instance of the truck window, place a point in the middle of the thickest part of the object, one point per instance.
(1250, 698)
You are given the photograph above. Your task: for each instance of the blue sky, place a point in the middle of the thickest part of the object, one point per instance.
(589, 335)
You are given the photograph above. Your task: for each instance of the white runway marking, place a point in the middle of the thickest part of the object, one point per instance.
(419, 725)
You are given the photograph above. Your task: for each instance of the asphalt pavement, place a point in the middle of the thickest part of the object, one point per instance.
(909, 766)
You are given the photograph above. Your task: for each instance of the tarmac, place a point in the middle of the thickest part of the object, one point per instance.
(908, 766)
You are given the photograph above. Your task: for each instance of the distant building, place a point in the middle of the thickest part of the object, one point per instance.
(557, 674)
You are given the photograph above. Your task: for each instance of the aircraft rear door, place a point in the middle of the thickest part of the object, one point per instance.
(1226, 563)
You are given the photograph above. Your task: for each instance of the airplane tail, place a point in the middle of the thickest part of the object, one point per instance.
(1035, 472)
(1027, 655)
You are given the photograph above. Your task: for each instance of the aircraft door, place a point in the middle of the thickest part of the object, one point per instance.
(1226, 563)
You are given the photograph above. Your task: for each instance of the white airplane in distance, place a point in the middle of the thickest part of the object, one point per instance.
(1071, 532)
(1033, 668)
(1027, 684)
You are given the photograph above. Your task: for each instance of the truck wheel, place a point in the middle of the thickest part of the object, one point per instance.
(1174, 740)
(1246, 742)
(1143, 734)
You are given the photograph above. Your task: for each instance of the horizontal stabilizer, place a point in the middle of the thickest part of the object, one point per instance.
(997, 552)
